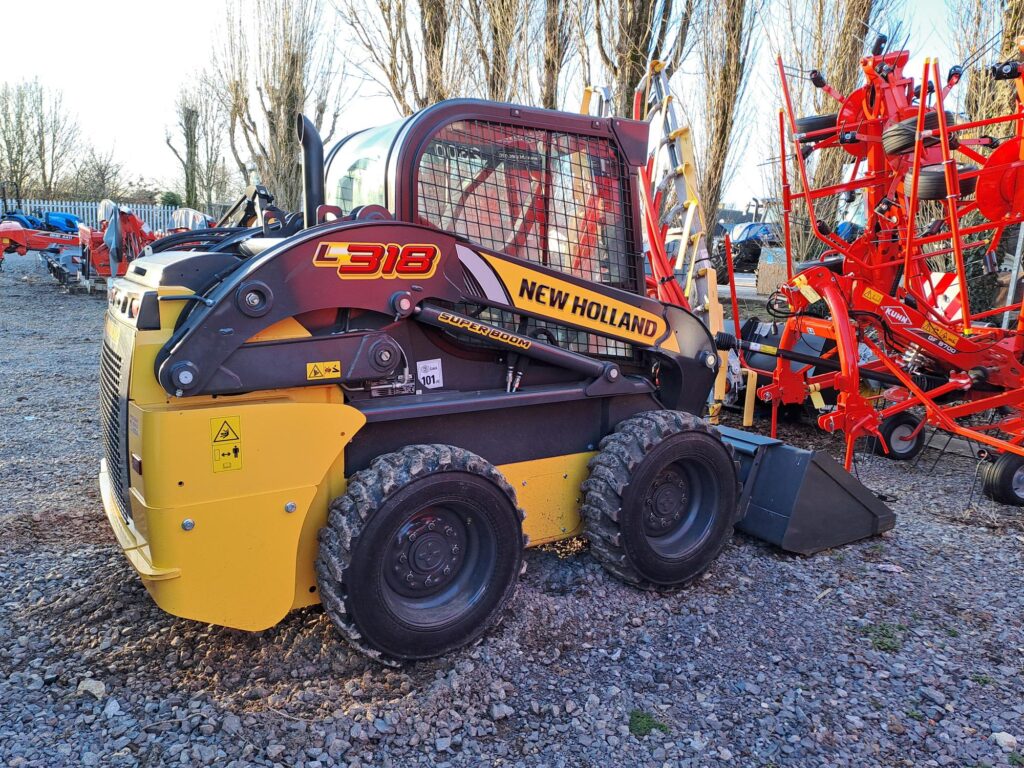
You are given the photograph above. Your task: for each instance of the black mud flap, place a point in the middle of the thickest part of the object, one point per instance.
(801, 501)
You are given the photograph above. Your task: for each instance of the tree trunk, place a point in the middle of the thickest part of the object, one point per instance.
(434, 26)
(844, 76)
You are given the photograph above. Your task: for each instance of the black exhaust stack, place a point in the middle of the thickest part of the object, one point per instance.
(312, 169)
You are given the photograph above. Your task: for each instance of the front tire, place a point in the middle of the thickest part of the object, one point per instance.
(661, 499)
(421, 555)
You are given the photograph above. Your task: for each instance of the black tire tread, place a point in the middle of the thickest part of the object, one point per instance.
(812, 123)
(899, 138)
(367, 491)
(997, 478)
(610, 472)
(931, 184)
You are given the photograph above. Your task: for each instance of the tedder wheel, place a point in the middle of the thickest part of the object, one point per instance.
(899, 138)
(895, 430)
(813, 123)
(421, 554)
(931, 185)
(661, 499)
(1003, 479)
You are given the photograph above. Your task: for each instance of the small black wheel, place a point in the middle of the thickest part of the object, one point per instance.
(896, 433)
(421, 554)
(1003, 479)
(931, 185)
(813, 123)
(661, 499)
(899, 138)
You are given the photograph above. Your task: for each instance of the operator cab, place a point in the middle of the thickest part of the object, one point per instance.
(549, 187)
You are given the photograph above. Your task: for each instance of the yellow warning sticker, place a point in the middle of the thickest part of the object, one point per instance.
(226, 440)
(872, 295)
(941, 333)
(325, 369)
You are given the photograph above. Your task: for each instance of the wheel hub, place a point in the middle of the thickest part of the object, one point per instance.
(665, 504)
(1017, 482)
(426, 553)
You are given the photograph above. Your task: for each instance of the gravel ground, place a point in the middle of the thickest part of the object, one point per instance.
(906, 650)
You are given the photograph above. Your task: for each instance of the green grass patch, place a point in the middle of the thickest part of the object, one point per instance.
(885, 637)
(1016, 758)
(982, 679)
(642, 723)
(913, 714)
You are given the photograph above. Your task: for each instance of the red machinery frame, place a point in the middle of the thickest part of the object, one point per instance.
(879, 289)
(135, 236)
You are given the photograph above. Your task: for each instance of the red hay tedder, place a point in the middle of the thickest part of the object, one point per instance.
(904, 347)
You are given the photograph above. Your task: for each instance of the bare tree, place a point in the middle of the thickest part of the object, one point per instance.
(500, 27)
(16, 127)
(414, 50)
(841, 62)
(724, 48)
(556, 41)
(213, 178)
(56, 139)
(626, 32)
(188, 126)
(985, 30)
(99, 175)
(278, 58)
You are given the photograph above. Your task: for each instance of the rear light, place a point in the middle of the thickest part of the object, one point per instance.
(133, 308)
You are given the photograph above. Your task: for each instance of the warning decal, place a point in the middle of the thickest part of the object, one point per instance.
(226, 440)
(325, 369)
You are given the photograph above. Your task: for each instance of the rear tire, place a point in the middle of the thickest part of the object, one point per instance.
(421, 554)
(1003, 479)
(661, 499)
(894, 428)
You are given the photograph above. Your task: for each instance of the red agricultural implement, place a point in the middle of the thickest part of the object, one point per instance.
(904, 348)
(14, 238)
(106, 251)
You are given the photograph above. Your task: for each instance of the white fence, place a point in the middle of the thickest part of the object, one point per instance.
(156, 216)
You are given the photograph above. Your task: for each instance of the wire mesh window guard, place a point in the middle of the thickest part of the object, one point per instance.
(553, 198)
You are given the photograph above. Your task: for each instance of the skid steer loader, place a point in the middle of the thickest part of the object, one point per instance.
(376, 403)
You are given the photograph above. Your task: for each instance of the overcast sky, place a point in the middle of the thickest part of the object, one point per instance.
(120, 65)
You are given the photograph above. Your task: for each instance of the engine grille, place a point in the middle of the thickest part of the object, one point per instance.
(113, 421)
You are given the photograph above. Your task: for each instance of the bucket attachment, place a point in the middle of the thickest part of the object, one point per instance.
(801, 501)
